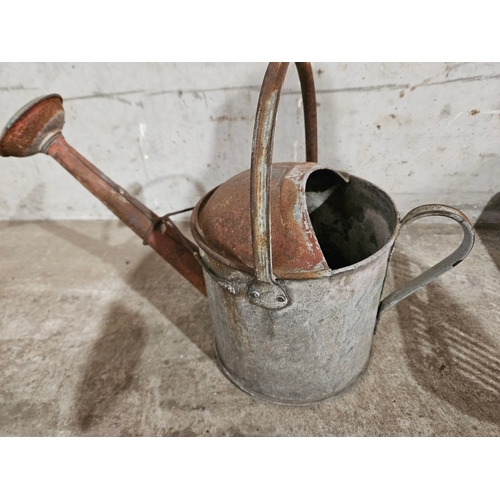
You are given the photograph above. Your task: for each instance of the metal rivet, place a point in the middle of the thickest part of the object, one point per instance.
(280, 298)
(255, 295)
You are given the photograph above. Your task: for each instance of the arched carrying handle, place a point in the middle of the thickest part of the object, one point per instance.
(441, 267)
(264, 290)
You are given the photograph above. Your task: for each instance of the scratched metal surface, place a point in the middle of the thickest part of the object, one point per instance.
(312, 349)
(98, 336)
(425, 133)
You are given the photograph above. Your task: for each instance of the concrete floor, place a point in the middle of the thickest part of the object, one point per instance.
(99, 337)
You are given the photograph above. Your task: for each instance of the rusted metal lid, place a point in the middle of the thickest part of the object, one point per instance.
(221, 223)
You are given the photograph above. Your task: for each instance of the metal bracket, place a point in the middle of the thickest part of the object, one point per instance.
(268, 295)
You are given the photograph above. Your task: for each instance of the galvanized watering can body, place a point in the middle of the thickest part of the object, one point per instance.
(311, 349)
(293, 256)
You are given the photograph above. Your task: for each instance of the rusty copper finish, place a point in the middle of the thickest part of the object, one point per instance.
(168, 246)
(85, 173)
(37, 128)
(221, 224)
(236, 223)
(32, 127)
(164, 239)
(262, 153)
(306, 78)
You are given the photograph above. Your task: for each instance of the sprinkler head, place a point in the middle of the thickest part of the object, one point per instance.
(34, 127)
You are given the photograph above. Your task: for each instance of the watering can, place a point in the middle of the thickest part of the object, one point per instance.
(292, 256)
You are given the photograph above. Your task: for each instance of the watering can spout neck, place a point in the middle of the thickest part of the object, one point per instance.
(37, 128)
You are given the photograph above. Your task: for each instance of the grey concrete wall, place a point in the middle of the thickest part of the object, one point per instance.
(424, 132)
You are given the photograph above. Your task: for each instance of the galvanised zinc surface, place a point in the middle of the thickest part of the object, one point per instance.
(308, 351)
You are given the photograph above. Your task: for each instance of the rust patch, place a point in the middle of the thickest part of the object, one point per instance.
(37, 128)
(164, 239)
(474, 112)
(27, 129)
(223, 226)
(401, 94)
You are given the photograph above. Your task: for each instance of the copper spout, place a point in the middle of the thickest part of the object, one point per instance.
(37, 128)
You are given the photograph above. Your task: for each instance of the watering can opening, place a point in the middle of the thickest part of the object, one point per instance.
(351, 220)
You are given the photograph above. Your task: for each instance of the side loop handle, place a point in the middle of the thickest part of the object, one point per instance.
(264, 290)
(441, 267)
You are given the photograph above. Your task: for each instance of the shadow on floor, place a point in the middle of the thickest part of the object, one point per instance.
(154, 280)
(176, 299)
(488, 228)
(447, 349)
(111, 365)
